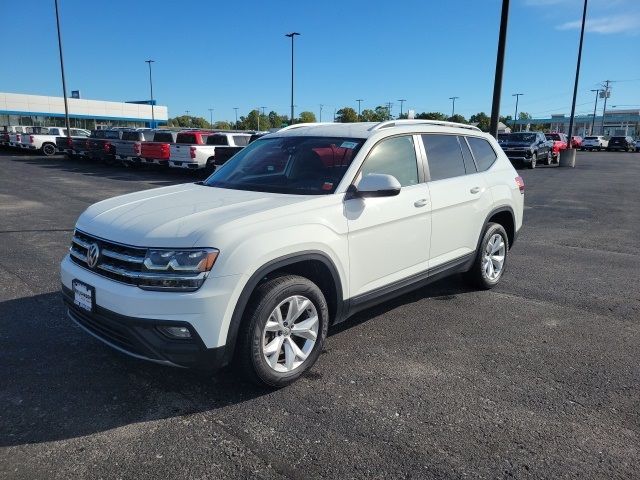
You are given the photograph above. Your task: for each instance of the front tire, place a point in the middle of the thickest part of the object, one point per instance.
(283, 331)
(534, 160)
(491, 258)
(48, 149)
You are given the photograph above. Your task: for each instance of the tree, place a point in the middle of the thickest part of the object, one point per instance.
(307, 117)
(483, 121)
(431, 116)
(524, 116)
(346, 115)
(457, 118)
(222, 125)
(275, 120)
(188, 121)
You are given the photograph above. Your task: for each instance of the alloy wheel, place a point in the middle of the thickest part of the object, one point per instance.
(290, 333)
(494, 255)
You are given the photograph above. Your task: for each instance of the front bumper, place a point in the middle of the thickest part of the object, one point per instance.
(140, 338)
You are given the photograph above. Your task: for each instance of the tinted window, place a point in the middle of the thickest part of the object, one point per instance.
(483, 152)
(111, 134)
(186, 138)
(444, 156)
(241, 140)
(394, 156)
(469, 166)
(130, 136)
(163, 137)
(218, 140)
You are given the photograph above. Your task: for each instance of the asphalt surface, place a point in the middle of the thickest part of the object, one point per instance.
(538, 378)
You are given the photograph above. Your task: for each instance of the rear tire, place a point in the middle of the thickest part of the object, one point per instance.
(491, 258)
(48, 149)
(276, 346)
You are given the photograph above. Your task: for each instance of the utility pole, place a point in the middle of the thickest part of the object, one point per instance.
(187, 112)
(321, 105)
(453, 109)
(153, 116)
(497, 82)
(211, 117)
(64, 83)
(258, 115)
(359, 102)
(292, 35)
(606, 93)
(595, 106)
(402, 100)
(389, 105)
(235, 127)
(263, 109)
(515, 116)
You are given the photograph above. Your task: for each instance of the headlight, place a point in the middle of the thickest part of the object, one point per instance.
(169, 269)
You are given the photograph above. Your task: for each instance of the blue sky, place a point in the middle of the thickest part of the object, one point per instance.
(234, 54)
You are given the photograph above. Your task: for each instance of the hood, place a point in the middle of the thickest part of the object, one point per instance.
(175, 216)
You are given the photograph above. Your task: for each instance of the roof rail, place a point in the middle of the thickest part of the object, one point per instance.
(299, 125)
(442, 123)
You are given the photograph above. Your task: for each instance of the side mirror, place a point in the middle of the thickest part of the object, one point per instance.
(377, 185)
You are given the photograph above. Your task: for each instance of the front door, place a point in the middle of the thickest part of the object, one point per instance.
(389, 236)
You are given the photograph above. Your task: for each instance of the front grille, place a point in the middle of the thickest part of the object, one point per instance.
(116, 261)
(112, 333)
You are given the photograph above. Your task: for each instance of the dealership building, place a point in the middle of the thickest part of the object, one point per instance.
(616, 122)
(19, 109)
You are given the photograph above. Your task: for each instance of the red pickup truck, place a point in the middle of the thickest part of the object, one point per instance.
(559, 142)
(158, 151)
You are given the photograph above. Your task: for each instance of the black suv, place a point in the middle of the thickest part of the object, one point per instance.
(621, 143)
(528, 148)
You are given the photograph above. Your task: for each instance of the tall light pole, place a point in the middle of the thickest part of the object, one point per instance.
(153, 117)
(453, 108)
(321, 105)
(575, 85)
(359, 102)
(595, 106)
(402, 100)
(497, 81)
(236, 124)
(258, 115)
(515, 116)
(64, 83)
(263, 109)
(292, 35)
(211, 117)
(389, 105)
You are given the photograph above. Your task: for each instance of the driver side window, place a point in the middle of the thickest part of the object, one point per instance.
(394, 156)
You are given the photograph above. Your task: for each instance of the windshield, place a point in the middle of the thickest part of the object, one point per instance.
(553, 136)
(294, 165)
(522, 137)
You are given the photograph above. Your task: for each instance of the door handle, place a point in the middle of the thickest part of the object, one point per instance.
(475, 190)
(420, 203)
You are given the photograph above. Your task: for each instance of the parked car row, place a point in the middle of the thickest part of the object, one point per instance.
(185, 149)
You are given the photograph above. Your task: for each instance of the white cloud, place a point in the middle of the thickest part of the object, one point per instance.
(606, 25)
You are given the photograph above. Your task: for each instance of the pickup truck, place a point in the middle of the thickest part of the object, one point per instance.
(15, 137)
(528, 148)
(6, 131)
(224, 151)
(75, 146)
(128, 147)
(44, 138)
(99, 146)
(158, 150)
(560, 142)
(202, 155)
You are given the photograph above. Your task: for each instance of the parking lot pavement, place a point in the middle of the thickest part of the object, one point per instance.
(538, 378)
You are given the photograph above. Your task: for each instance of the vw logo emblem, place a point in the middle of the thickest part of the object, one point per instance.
(93, 255)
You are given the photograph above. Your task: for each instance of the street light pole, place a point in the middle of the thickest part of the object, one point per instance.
(321, 105)
(497, 82)
(359, 100)
(292, 35)
(236, 124)
(153, 117)
(402, 100)
(453, 109)
(258, 115)
(575, 85)
(64, 83)
(595, 106)
(515, 116)
(211, 117)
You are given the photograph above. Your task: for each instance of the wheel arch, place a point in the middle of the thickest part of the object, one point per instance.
(504, 216)
(312, 264)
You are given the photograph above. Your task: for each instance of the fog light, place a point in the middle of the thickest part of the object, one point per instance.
(176, 332)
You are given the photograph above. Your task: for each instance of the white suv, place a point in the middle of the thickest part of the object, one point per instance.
(594, 143)
(296, 232)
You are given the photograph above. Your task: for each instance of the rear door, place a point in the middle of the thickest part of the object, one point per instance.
(389, 236)
(460, 198)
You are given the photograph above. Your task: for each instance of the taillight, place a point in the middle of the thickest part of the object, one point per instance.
(192, 152)
(87, 143)
(106, 146)
(18, 138)
(137, 148)
(69, 142)
(520, 183)
(30, 138)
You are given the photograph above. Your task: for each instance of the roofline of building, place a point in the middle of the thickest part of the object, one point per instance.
(73, 115)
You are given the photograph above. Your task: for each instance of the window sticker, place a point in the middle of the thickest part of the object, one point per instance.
(350, 145)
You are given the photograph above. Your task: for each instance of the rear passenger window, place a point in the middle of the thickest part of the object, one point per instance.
(241, 140)
(163, 137)
(469, 166)
(483, 152)
(443, 156)
(188, 138)
(221, 140)
(394, 156)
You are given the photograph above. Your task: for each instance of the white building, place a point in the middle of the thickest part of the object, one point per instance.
(20, 109)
